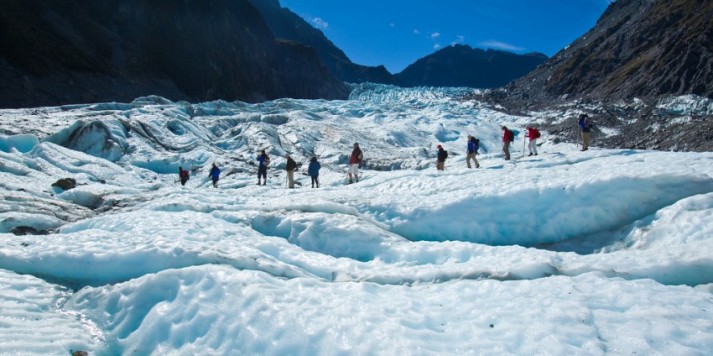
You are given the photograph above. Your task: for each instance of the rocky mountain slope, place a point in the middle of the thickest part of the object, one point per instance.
(632, 73)
(461, 65)
(287, 25)
(452, 66)
(59, 52)
(638, 48)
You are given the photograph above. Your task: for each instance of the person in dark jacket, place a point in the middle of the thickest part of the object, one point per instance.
(507, 138)
(313, 171)
(355, 160)
(183, 175)
(214, 175)
(263, 161)
(290, 168)
(441, 160)
(585, 126)
(472, 150)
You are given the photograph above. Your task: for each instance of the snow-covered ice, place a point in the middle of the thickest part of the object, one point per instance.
(567, 252)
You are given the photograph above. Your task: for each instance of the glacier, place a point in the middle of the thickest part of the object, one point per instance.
(599, 252)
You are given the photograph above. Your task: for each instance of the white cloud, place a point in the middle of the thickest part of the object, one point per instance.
(459, 40)
(436, 46)
(435, 35)
(416, 31)
(500, 45)
(318, 22)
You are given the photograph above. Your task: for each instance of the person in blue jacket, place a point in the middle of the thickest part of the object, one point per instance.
(214, 175)
(264, 161)
(585, 125)
(472, 150)
(313, 171)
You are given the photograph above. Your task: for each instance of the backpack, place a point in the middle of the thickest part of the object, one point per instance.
(476, 144)
(445, 154)
(512, 135)
(537, 133)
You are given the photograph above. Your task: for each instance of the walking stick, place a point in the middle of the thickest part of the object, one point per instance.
(576, 132)
(524, 138)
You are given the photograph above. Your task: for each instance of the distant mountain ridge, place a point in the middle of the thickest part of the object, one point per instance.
(461, 65)
(638, 48)
(287, 25)
(84, 51)
(458, 65)
(75, 51)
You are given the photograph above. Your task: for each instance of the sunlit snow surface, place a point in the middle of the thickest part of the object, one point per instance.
(567, 252)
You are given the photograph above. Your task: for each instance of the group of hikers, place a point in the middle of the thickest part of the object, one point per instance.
(214, 175)
(473, 144)
(356, 158)
(509, 137)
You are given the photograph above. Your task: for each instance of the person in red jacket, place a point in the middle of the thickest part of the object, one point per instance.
(183, 175)
(354, 161)
(507, 138)
(533, 134)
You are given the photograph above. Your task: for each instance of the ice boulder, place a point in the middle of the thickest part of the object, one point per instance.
(23, 143)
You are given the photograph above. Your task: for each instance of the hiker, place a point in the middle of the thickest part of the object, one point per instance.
(508, 137)
(290, 168)
(313, 171)
(354, 161)
(585, 126)
(473, 146)
(264, 161)
(214, 175)
(533, 133)
(441, 160)
(182, 175)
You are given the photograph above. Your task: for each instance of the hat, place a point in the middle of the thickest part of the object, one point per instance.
(439, 146)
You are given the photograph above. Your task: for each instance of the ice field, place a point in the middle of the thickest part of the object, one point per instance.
(603, 252)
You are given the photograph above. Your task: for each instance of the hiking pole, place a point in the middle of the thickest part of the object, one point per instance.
(576, 133)
(524, 138)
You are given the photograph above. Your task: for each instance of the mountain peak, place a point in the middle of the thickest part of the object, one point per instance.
(463, 66)
(638, 48)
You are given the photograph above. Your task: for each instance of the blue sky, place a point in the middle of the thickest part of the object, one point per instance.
(396, 33)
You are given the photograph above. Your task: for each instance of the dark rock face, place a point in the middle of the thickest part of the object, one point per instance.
(638, 48)
(75, 51)
(65, 183)
(463, 66)
(287, 25)
(641, 55)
